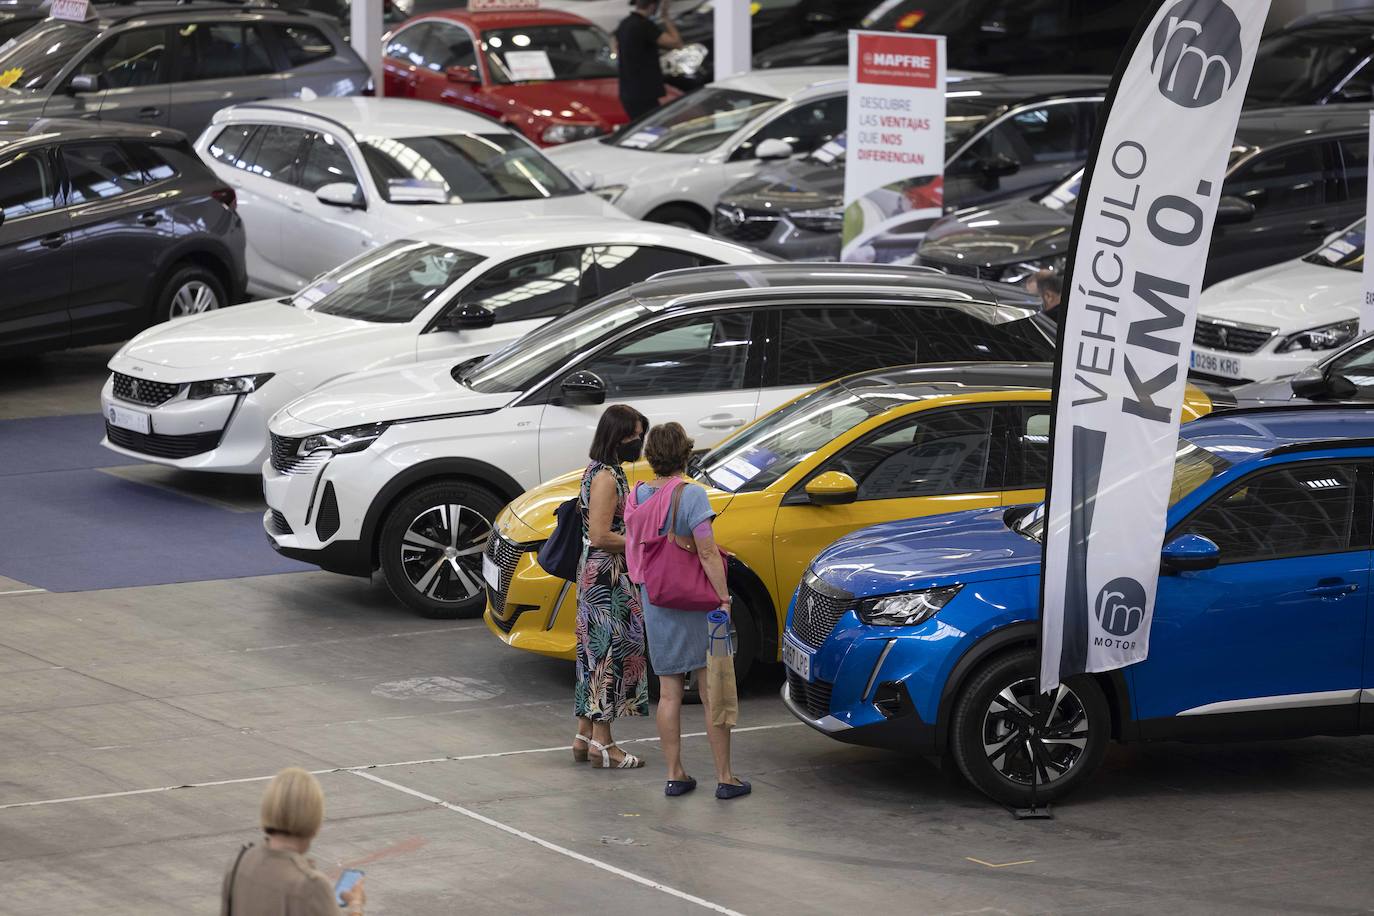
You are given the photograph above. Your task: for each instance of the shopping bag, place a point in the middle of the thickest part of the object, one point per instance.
(720, 671)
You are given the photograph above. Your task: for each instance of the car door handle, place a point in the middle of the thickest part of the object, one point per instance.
(56, 240)
(151, 218)
(720, 421)
(1332, 588)
(149, 113)
(296, 207)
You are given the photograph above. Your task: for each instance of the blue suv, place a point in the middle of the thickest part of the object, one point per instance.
(921, 635)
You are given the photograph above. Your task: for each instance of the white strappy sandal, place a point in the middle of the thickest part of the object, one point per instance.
(579, 748)
(627, 761)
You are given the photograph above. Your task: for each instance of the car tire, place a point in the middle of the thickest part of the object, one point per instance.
(190, 290)
(746, 633)
(435, 583)
(987, 731)
(680, 215)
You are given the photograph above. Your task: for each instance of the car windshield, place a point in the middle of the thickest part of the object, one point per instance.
(549, 52)
(764, 452)
(1294, 68)
(1345, 251)
(461, 169)
(390, 285)
(1193, 466)
(831, 153)
(35, 59)
(526, 361)
(695, 123)
(1064, 196)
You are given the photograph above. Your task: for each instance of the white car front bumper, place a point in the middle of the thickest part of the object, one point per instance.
(1250, 367)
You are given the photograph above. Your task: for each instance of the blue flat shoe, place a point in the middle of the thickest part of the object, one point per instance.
(676, 787)
(727, 790)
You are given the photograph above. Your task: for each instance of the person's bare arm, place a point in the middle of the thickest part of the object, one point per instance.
(669, 40)
(712, 563)
(600, 512)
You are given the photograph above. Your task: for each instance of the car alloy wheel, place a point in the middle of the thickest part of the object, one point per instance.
(1035, 738)
(194, 297)
(441, 552)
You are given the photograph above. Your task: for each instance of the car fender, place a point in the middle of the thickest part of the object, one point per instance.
(741, 577)
(196, 246)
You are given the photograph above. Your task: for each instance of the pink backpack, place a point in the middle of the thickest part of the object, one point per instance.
(670, 571)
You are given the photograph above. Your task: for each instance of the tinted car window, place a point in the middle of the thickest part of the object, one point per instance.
(1294, 68)
(1028, 447)
(617, 266)
(231, 142)
(222, 50)
(150, 160)
(272, 152)
(1357, 364)
(804, 128)
(127, 60)
(303, 44)
(1037, 136)
(325, 163)
(26, 186)
(820, 344)
(1355, 160)
(923, 454)
(1289, 179)
(536, 286)
(99, 170)
(1305, 509)
(691, 355)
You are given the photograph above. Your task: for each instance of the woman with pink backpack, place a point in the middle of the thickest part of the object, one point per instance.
(672, 554)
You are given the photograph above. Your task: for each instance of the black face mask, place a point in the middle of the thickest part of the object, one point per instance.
(630, 451)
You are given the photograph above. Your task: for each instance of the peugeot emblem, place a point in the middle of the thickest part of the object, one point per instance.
(1222, 335)
(133, 388)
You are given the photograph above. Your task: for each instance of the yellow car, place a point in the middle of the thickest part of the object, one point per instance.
(875, 447)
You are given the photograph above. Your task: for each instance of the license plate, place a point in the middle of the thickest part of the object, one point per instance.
(491, 573)
(796, 658)
(129, 419)
(1218, 365)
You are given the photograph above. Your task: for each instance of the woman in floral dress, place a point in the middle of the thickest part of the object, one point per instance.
(611, 664)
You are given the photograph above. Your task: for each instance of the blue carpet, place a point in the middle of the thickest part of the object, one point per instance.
(67, 527)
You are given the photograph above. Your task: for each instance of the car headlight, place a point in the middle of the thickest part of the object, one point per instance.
(1326, 337)
(908, 609)
(1019, 273)
(821, 219)
(609, 193)
(239, 384)
(341, 441)
(567, 133)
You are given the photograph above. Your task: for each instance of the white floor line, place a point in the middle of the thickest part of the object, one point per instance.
(357, 769)
(552, 847)
(23, 591)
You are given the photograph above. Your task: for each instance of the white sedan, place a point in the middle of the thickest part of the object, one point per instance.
(196, 393)
(1278, 320)
(673, 164)
(320, 181)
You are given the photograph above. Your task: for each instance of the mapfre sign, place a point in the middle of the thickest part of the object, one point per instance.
(898, 60)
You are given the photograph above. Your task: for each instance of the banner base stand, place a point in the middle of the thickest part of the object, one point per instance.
(1033, 813)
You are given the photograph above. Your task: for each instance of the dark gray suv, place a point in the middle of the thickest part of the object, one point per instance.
(106, 229)
(173, 65)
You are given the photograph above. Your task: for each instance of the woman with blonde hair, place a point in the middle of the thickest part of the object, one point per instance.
(276, 879)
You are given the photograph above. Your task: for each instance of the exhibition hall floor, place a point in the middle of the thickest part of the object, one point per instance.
(138, 725)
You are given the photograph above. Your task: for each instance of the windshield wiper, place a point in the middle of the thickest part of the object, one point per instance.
(697, 471)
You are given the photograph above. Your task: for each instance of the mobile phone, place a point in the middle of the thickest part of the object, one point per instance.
(347, 880)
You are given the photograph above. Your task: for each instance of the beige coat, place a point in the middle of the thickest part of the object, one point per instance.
(273, 882)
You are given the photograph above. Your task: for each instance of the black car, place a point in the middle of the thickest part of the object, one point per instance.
(1317, 60)
(106, 229)
(1295, 175)
(1004, 137)
(999, 36)
(1346, 375)
(18, 18)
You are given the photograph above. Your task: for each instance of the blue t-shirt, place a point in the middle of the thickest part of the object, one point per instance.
(693, 509)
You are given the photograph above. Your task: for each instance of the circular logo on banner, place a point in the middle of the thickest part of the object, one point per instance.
(1197, 52)
(1120, 606)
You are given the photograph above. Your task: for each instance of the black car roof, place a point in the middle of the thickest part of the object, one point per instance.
(949, 378)
(46, 130)
(999, 91)
(1272, 126)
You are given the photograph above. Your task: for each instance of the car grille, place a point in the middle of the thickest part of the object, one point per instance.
(817, 609)
(142, 391)
(160, 446)
(285, 459)
(505, 553)
(279, 523)
(1230, 337)
(742, 225)
(327, 519)
(814, 697)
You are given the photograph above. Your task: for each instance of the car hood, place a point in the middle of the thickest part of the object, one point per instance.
(595, 101)
(1265, 393)
(259, 336)
(1293, 296)
(960, 547)
(608, 165)
(825, 48)
(16, 105)
(795, 185)
(424, 389)
(992, 236)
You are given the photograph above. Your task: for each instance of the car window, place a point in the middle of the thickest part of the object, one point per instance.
(272, 152)
(325, 162)
(303, 44)
(96, 171)
(1044, 135)
(1356, 364)
(231, 142)
(461, 168)
(1355, 161)
(804, 128)
(221, 50)
(1294, 68)
(819, 344)
(695, 123)
(449, 45)
(1359, 83)
(26, 185)
(391, 284)
(154, 165)
(128, 60)
(410, 44)
(1288, 179)
(922, 454)
(687, 356)
(541, 285)
(549, 52)
(615, 267)
(1028, 447)
(1293, 511)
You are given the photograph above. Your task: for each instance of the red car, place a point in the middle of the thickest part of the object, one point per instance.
(548, 74)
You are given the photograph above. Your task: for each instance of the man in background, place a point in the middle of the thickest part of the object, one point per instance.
(639, 40)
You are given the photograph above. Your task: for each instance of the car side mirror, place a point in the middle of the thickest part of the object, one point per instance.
(582, 178)
(1315, 384)
(469, 317)
(1232, 210)
(1190, 553)
(464, 75)
(833, 488)
(999, 166)
(773, 148)
(82, 82)
(340, 194)
(583, 389)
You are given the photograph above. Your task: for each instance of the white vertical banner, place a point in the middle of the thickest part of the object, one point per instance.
(1367, 303)
(1142, 231)
(895, 145)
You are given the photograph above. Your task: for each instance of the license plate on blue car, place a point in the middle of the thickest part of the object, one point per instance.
(796, 657)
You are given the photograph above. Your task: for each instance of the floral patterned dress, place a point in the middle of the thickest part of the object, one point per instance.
(611, 664)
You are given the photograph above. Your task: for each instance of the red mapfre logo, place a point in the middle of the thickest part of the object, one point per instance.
(898, 60)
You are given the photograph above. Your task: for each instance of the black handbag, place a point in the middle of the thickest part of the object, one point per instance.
(563, 550)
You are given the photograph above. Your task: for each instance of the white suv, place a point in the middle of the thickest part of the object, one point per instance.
(406, 468)
(321, 181)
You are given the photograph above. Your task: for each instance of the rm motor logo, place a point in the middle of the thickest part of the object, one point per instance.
(1197, 52)
(1120, 609)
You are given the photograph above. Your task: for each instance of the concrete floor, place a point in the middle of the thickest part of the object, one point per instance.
(137, 727)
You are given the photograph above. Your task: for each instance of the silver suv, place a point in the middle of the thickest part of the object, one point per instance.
(173, 65)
